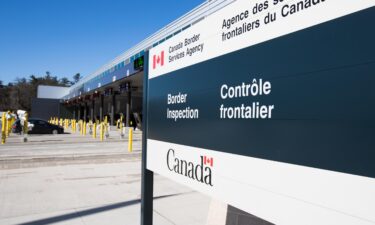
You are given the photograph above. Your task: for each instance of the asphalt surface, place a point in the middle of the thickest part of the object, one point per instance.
(69, 148)
(71, 179)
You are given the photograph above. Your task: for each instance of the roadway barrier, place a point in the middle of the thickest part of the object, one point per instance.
(94, 130)
(84, 128)
(25, 127)
(11, 121)
(130, 141)
(101, 131)
(3, 128)
(80, 127)
(7, 127)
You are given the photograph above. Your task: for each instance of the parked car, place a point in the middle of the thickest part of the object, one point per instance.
(38, 126)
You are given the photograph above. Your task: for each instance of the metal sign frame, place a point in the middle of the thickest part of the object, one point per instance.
(147, 189)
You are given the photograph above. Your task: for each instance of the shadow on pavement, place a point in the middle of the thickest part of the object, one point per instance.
(87, 212)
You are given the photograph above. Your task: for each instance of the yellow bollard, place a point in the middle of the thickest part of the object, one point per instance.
(94, 130)
(25, 124)
(7, 127)
(84, 128)
(3, 127)
(101, 131)
(130, 142)
(12, 120)
(25, 127)
(81, 127)
(105, 123)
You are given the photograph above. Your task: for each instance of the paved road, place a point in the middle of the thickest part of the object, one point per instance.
(69, 179)
(47, 150)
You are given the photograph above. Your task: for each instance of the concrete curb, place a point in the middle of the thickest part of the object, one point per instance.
(16, 163)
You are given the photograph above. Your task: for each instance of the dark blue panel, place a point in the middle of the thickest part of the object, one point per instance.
(323, 89)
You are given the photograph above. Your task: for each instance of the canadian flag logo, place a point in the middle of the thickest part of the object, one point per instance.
(208, 161)
(158, 60)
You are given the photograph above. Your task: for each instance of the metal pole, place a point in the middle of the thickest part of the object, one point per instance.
(101, 108)
(128, 103)
(3, 127)
(79, 111)
(85, 111)
(113, 109)
(74, 112)
(147, 191)
(92, 110)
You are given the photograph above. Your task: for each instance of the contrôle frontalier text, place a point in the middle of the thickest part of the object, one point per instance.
(254, 110)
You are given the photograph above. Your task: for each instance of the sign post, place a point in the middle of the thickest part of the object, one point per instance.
(147, 190)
